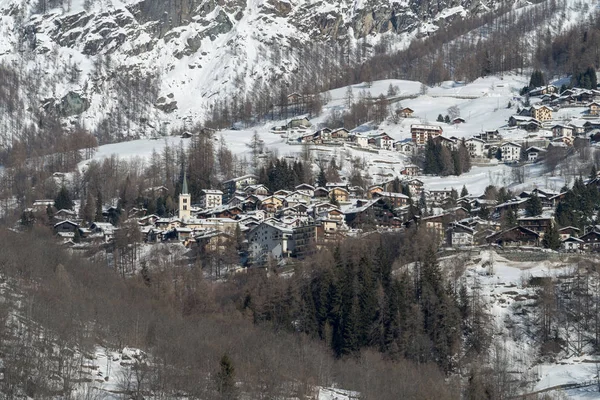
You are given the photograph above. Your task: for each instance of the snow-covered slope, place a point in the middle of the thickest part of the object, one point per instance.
(153, 65)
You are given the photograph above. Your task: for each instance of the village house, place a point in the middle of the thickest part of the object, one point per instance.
(406, 112)
(257, 189)
(458, 120)
(436, 224)
(541, 113)
(270, 239)
(439, 195)
(476, 147)
(529, 124)
(296, 198)
(534, 153)
(422, 133)
(359, 139)
(210, 198)
(510, 152)
(340, 134)
(272, 204)
(459, 235)
(594, 108)
(538, 224)
(571, 244)
(591, 241)
(340, 194)
(374, 189)
(374, 212)
(489, 136)
(307, 189)
(410, 170)
(415, 186)
(517, 236)
(560, 130)
(449, 143)
(231, 186)
(66, 227)
(406, 146)
(395, 199)
(299, 123)
(384, 141)
(567, 232)
(321, 193)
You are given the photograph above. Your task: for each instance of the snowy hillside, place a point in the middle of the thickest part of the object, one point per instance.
(152, 67)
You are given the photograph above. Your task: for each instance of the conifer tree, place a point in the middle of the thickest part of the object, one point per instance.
(464, 192)
(225, 379)
(63, 200)
(551, 238)
(99, 217)
(534, 206)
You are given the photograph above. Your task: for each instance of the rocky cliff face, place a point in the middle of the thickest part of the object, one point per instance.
(196, 50)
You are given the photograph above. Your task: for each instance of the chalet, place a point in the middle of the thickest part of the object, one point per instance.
(294, 98)
(439, 195)
(476, 147)
(299, 123)
(578, 126)
(524, 122)
(510, 152)
(490, 136)
(66, 227)
(543, 90)
(422, 133)
(459, 235)
(374, 189)
(340, 134)
(182, 233)
(210, 198)
(282, 193)
(384, 141)
(415, 186)
(591, 125)
(372, 212)
(105, 229)
(567, 232)
(541, 113)
(359, 139)
(406, 112)
(42, 205)
(63, 215)
(517, 236)
(340, 194)
(395, 199)
(306, 189)
(538, 224)
(272, 204)
(458, 120)
(257, 189)
(406, 146)
(594, 108)
(231, 186)
(410, 170)
(436, 225)
(296, 198)
(560, 130)
(321, 193)
(534, 153)
(591, 241)
(572, 244)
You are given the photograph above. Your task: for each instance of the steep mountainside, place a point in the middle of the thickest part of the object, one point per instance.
(125, 65)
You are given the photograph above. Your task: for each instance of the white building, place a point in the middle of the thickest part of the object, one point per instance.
(360, 140)
(476, 147)
(510, 152)
(211, 198)
(384, 141)
(270, 239)
(460, 235)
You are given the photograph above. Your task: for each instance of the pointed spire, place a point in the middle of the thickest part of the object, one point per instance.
(184, 189)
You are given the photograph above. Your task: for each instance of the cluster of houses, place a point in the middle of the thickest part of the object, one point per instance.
(294, 223)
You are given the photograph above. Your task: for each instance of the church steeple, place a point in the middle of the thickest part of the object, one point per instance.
(185, 200)
(184, 189)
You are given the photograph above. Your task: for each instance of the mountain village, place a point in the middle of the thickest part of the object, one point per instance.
(258, 225)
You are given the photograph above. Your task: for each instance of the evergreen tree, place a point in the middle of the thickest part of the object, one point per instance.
(225, 379)
(440, 118)
(88, 211)
(537, 79)
(551, 238)
(322, 179)
(63, 200)
(534, 206)
(509, 218)
(593, 172)
(447, 119)
(99, 217)
(464, 192)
